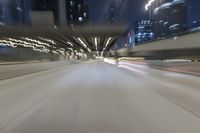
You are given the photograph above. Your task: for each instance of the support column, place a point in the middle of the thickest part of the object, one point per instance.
(62, 13)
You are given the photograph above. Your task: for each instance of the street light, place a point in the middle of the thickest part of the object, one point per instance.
(96, 43)
(150, 2)
(152, 6)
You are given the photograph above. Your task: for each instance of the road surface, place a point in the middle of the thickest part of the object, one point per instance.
(94, 97)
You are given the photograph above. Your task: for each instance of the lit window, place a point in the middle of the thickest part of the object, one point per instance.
(85, 14)
(79, 7)
(71, 3)
(80, 19)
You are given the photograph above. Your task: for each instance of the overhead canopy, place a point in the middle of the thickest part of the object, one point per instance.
(81, 39)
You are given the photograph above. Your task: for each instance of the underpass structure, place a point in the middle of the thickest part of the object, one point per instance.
(91, 96)
(88, 40)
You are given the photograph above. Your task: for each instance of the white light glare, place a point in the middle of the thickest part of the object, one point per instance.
(84, 44)
(34, 44)
(48, 40)
(95, 41)
(36, 41)
(70, 44)
(149, 4)
(110, 61)
(36, 47)
(107, 43)
(82, 50)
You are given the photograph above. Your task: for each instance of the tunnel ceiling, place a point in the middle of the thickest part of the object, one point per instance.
(86, 39)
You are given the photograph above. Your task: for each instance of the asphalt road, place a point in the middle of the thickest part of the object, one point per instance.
(95, 97)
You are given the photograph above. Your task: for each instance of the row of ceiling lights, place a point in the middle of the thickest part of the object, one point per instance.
(48, 47)
(36, 45)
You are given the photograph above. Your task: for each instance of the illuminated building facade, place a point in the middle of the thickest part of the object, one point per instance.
(171, 18)
(77, 12)
(144, 31)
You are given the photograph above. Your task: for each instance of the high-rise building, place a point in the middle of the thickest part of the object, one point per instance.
(171, 18)
(144, 30)
(65, 12)
(116, 12)
(86, 13)
(77, 12)
(111, 15)
(151, 7)
(2, 13)
(14, 12)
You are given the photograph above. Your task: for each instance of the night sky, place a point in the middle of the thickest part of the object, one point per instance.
(133, 10)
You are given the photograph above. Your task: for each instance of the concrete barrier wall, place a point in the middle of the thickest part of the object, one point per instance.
(188, 41)
(25, 54)
(185, 42)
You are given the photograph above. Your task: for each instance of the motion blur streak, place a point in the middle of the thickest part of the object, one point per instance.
(131, 69)
(131, 64)
(95, 97)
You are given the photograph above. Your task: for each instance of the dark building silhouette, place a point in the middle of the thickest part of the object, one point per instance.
(77, 12)
(111, 14)
(116, 12)
(86, 13)
(14, 12)
(66, 12)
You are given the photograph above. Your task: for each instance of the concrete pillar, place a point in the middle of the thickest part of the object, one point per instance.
(62, 13)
